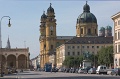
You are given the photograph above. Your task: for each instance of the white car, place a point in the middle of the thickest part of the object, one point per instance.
(102, 69)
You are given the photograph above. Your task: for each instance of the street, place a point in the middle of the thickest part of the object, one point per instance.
(57, 75)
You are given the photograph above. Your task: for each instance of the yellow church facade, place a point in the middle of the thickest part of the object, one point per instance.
(86, 28)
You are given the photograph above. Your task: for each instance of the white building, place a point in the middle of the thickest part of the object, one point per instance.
(116, 19)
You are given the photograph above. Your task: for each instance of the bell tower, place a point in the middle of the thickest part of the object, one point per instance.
(50, 33)
(42, 39)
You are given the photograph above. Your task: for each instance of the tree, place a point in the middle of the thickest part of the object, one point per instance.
(73, 61)
(105, 55)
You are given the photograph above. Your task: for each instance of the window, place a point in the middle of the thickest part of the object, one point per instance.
(119, 35)
(51, 46)
(95, 31)
(73, 47)
(89, 31)
(44, 46)
(78, 53)
(73, 53)
(68, 47)
(87, 46)
(68, 53)
(119, 48)
(115, 48)
(82, 46)
(115, 36)
(81, 30)
(78, 47)
(97, 46)
(92, 46)
(51, 32)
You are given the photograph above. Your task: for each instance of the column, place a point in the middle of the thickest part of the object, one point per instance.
(17, 63)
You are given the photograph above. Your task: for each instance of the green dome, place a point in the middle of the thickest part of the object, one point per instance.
(108, 27)
(102, 29)
(86, 8)
(50, 9)
(86, 16)
(43, 16)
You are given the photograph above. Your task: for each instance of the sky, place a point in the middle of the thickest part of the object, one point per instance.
(25, 19)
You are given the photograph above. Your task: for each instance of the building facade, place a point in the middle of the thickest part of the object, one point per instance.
(116, 20)
(35, 62)
(86, 27)
(80, 45)
(48, 38)
(17, 58)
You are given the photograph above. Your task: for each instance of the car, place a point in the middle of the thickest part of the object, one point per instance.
(67, 70)
(111, 72)
(92, 71)
(82, 70)
(117, 71)
(102, 69)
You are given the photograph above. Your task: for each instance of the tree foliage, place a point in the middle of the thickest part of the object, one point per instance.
(105, 55)
(72, 61)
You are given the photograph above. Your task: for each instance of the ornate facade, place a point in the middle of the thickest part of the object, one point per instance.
(116, 19)
(14, 57)
(86, 26)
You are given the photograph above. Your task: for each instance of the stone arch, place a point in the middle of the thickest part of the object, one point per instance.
(22, 61)
(11, 61)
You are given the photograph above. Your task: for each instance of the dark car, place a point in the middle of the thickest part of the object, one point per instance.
(92, 71)
(54, 70)
(117, 71)
(67, 69)
(76, 71)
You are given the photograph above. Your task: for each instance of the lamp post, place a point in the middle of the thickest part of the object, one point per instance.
(94, 52)
(1, 41)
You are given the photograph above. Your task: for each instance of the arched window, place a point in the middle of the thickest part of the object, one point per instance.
(81, 30)
(51, 32)
(95, 31)
(89, 31)
(51, 46)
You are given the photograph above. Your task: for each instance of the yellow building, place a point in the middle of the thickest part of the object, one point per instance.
(116, 19)
(86, 28)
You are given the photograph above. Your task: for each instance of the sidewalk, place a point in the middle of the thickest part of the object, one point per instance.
(11, 76)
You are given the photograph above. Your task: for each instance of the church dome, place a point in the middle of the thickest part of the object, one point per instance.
(86, 16)
(102, 29)
(108, 27)
(43, 16)
(50, 9)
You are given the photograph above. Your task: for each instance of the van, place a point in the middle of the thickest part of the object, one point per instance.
(102, 69)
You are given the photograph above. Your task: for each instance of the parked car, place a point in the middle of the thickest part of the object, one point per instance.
(102, 69)
(54, 70)
(82, 70)
(67, 70)
(117, 71)
(61, 69)
(92, 71)
(111, 72)
(76, 71)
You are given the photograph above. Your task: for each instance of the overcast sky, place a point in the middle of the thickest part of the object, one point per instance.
(25, 19)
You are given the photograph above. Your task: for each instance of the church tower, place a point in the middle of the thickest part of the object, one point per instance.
(50, 34)
(86, 23)
(42, 39)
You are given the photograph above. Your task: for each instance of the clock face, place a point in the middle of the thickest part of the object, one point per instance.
(51, 27)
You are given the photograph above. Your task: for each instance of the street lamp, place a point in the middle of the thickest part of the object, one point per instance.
(94, 52)
(9, 24)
